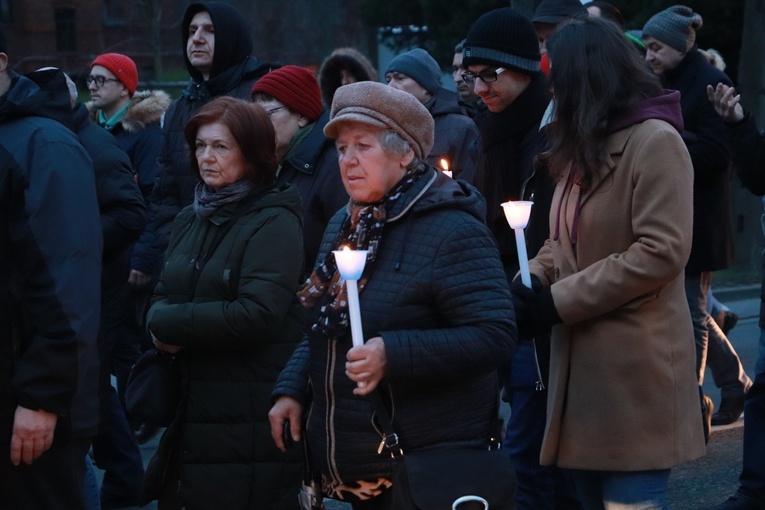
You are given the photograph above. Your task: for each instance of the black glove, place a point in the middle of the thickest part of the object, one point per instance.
(535, 310)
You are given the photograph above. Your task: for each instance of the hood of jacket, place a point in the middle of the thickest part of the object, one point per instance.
(146, 107)
(281, 195)
(435, 190)
(664, 107)
(343, 58)
(39, 94)
(233, 42)
(444, 102)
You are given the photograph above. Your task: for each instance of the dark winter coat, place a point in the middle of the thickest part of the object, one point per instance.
(50, 260)
(234, 73)
(704, 136)
(238, 333)
(139, 133)
(454, 137)
(748, 147)
(312, 167)
(439, 299)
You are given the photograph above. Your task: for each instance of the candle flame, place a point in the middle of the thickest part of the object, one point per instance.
(346, 248)
(444, 164)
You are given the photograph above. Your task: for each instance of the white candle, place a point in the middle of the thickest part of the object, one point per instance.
(351, 264)
(445, 166)
(517, 214)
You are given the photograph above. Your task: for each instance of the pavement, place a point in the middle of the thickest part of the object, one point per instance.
(703, 482)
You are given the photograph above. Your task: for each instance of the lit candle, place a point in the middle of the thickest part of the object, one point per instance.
(351, 264)
(517, 214)
(445, 166)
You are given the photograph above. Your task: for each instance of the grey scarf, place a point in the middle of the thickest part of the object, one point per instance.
(207, 200)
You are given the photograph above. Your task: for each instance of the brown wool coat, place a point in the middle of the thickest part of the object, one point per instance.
(622, 392)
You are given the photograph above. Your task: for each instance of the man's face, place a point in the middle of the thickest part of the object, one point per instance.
(660, 57)
(404, 83)
(200, 47)
(5, 80)
(499, 94)
(109, 94)
(544, 31)
(465, 90)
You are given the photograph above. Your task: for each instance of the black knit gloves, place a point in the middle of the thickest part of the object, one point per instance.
(535, 311)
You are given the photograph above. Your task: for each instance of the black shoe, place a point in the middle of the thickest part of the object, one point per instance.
(707, 408)
(145, 432)
(730, 410)
(739, 502)
(730, 319)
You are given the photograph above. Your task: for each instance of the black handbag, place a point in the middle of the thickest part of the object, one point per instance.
(154, 388)
(435, 479)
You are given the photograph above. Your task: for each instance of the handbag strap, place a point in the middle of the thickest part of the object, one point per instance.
(390, 441)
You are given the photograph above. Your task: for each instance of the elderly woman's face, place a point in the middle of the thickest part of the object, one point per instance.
(221, 161)
(368, 171)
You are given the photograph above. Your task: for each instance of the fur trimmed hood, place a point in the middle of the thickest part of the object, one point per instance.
(349, 59)
(146, 107)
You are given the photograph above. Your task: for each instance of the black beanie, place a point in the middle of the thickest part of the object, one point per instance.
(556, 11)
(503, 38)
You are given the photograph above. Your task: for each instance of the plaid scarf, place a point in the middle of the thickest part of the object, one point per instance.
(362, 230)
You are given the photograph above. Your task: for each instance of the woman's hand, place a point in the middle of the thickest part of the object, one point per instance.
(367, 365)
(161, 346)
(286, 409)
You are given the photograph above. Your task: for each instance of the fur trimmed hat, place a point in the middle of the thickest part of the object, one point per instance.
(676, 27)
(503, 38)
(295, 87)
(381, 106)
(122, 67)
(419, 66)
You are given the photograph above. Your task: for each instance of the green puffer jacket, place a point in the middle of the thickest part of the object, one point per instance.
(237, 338)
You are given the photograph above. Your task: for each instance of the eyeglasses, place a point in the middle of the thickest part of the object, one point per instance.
(274, 110)
(100, 80)
(485, 76)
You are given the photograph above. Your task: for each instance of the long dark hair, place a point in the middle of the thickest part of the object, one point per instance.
(597, 75)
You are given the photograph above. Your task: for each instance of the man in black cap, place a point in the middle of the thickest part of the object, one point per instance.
(501, 58)
(550, 13)
(50, 268)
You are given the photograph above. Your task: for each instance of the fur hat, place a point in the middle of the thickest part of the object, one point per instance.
(503, 38)
(295, 87)
(676, 27)
(556, 11)
(122, 67)
(384, 107)
(343, 59)
(419, 66)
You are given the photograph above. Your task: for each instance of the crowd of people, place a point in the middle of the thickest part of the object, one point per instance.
(207, 227)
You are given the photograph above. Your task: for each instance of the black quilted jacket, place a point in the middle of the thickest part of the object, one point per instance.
(439, 298)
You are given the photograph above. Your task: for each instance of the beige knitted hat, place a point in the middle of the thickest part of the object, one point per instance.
(384, 107)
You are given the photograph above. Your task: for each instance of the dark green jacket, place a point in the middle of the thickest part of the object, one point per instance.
(238, 335)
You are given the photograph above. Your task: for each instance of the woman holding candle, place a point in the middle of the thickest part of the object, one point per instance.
(225, 305)
(435, 307)
(623, 403)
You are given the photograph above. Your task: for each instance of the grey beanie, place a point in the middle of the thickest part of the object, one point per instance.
(381, 106)
(676, 27)
(419, 66)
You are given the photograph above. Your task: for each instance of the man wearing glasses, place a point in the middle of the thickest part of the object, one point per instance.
(501, 57)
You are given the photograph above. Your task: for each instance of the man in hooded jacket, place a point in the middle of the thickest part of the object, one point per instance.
(217, 45)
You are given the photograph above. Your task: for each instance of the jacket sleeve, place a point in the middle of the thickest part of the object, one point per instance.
(748, 154)
(123, 212)
(293, 381)
(471, 293)
(145, 156)
(267, 285)
(464, 150)
(58, 242)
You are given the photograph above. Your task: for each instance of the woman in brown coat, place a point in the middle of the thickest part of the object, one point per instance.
(623, 402)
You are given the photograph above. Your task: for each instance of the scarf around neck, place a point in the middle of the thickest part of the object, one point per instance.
(207, 200)
(361, 230)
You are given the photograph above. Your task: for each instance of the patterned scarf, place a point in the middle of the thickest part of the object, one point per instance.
(207, 201)
(362, 230)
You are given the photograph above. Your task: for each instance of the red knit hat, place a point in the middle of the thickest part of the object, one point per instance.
(123, 67)
(295, 87)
